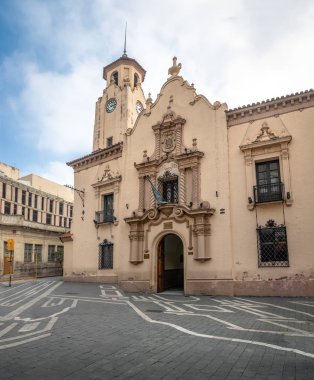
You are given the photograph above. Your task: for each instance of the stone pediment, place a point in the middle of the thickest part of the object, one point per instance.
(264, 132)
(175, 212)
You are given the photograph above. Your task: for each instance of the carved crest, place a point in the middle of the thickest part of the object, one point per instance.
(168, 141)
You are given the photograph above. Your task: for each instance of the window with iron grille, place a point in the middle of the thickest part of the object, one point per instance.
(38, 253)
(51, 253)
(28, 248)
(168, 187)
(272, 245)
(105, 255)
(268, 185)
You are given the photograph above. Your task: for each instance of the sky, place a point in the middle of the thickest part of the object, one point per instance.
(52, 53)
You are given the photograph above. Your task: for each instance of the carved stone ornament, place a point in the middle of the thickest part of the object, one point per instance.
(175, 68)
(168, 141)
(108, 175)
(265, 133)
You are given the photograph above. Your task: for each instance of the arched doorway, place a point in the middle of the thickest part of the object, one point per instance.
(170, 271)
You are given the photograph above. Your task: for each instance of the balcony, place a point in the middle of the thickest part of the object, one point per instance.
(104, 217)
(272, 192)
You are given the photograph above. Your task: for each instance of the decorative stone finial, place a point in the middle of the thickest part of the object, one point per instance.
(265, 133)
(174, 69)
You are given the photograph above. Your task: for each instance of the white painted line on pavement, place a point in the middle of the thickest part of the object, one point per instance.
(24, 341)
(29, 327)
(223, 338)
(7, 329)
(27, 305)
(282, 307)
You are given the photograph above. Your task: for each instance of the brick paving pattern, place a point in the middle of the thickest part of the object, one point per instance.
(55, 330)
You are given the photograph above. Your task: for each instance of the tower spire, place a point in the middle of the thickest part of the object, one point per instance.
(124, 50)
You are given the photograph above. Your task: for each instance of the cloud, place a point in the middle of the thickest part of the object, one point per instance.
(58, 109)
(55, 171)
(237, 52)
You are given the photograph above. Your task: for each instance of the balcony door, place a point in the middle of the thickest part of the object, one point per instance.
(268, 184)
(108, 207)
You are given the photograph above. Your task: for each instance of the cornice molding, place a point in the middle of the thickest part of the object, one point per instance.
(96, 158)
(268, 108)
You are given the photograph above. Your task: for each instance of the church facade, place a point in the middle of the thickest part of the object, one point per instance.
(181, 193)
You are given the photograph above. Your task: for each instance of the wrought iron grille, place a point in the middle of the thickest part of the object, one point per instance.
(269, 193)
(168, 187)
(105, 260)
(272, 245)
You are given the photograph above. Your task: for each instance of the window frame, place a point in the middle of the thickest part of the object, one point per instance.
(105, 258)
(272, 246)
(28, 253)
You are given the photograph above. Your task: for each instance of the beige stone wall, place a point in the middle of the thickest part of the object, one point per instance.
(50, 187)
(10, 171)
(226, 151)
(297, 217)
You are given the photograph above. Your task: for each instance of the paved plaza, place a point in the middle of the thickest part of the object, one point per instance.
(55, 330)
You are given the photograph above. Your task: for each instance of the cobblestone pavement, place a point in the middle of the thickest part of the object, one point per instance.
(55, 330)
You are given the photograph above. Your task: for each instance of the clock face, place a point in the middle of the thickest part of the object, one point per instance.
(111, 105)
(138, 106)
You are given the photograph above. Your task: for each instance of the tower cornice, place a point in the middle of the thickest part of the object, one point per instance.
(124, 60)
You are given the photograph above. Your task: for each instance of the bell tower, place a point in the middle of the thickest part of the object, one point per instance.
(122, 101)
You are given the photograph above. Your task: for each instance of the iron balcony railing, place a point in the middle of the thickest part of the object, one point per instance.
(270, 192)
(104, 217)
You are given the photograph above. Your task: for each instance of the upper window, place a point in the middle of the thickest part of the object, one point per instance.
(135, 80)
(35, 216)
(168, 187)
(107, 214)
(16, 194)
(30, 197)
(48, 219)
(109, 142)
(268, 185)
(7, 208)
(115, 77)
(272, 245)
(23, 197)
(4, 190)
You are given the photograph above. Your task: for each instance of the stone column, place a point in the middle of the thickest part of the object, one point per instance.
(178, 139)
(195, 187)
(133, 247)
(201, 233)
(157, 144)
(249, 179)
(152, 198)
(141, 195)
(286, 173)
(182, 200)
